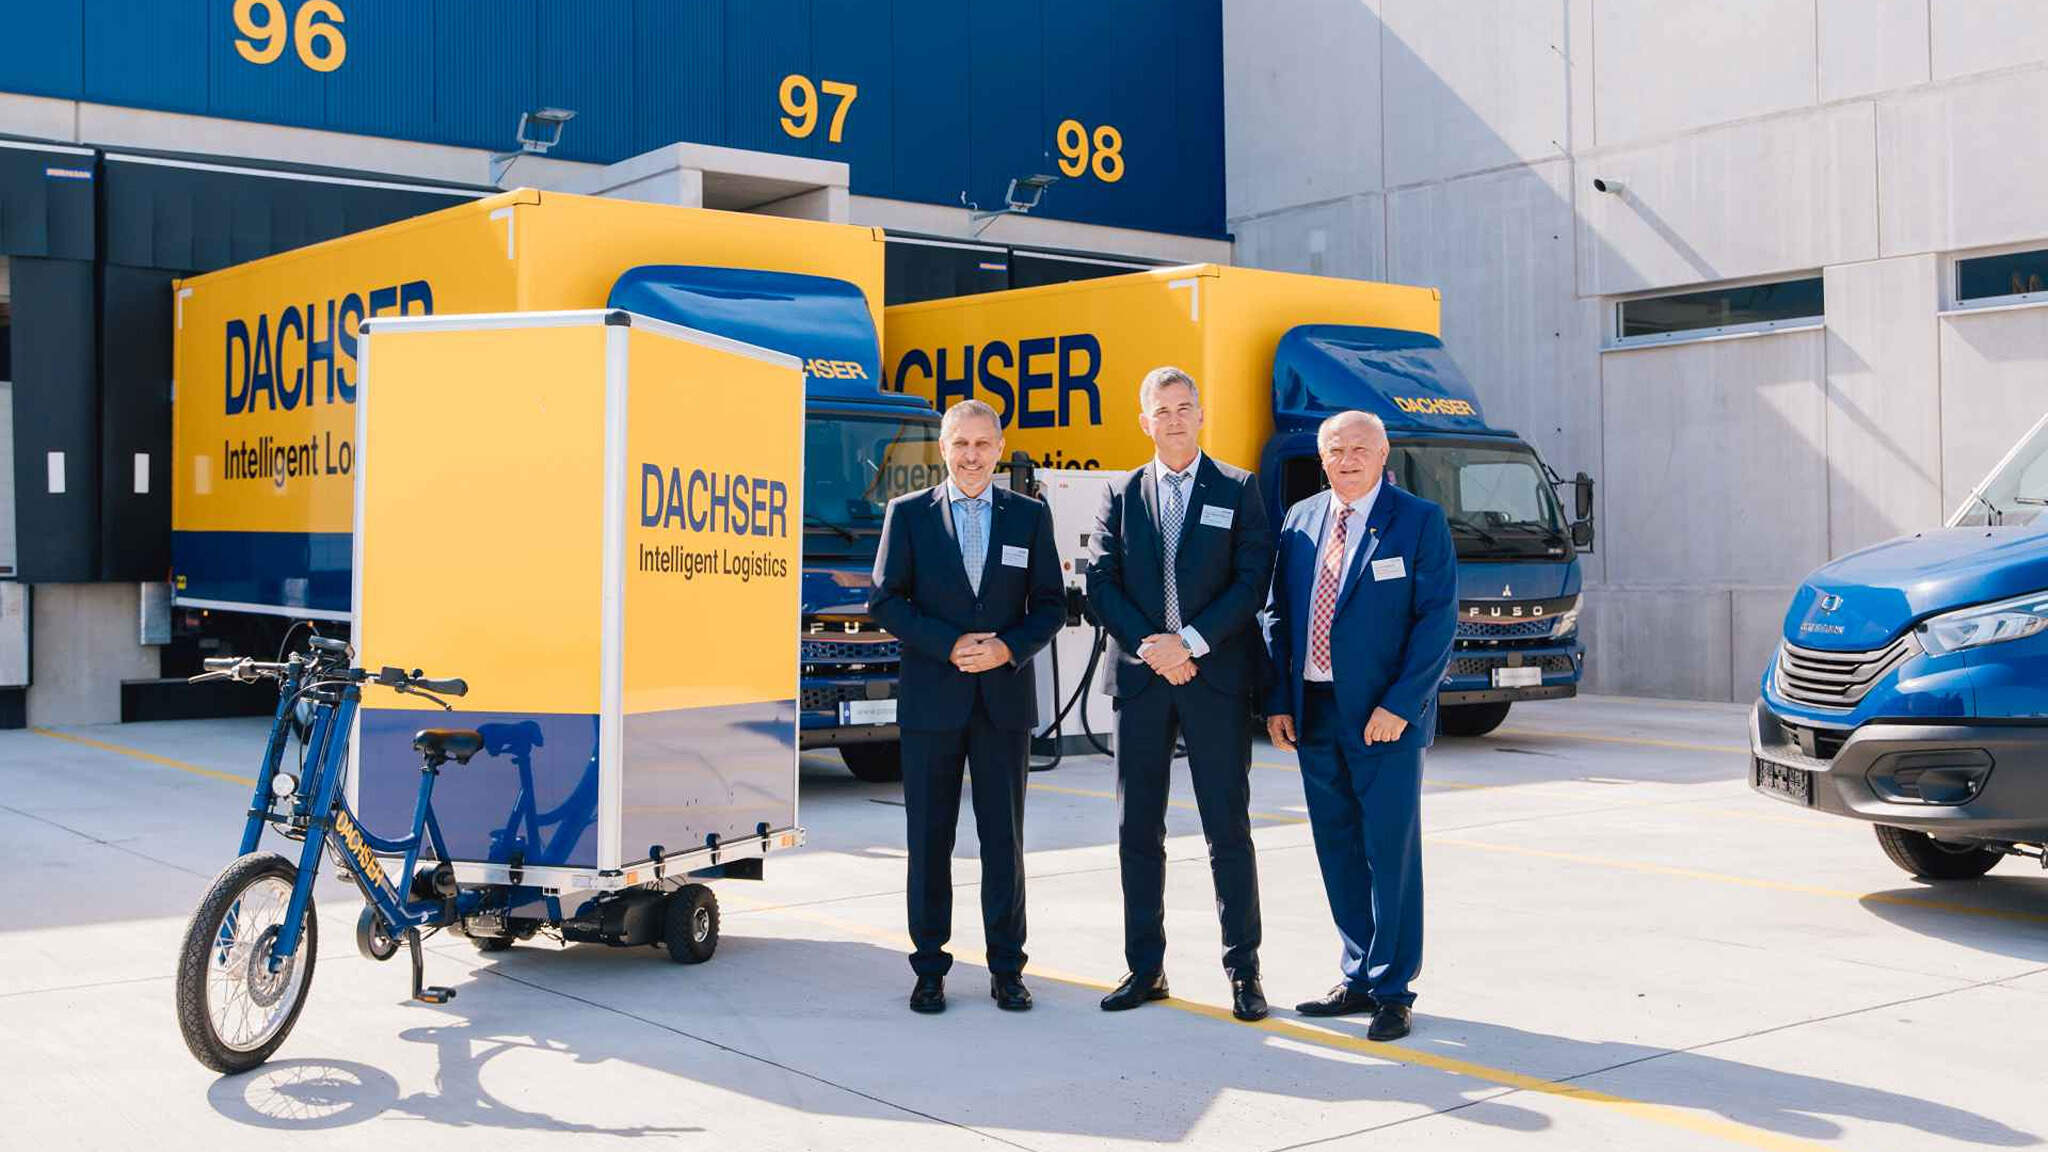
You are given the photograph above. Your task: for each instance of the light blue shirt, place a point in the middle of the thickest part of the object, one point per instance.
(957, 504)
(1160, 472)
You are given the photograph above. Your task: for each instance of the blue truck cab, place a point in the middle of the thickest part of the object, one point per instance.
(1518, 568)
(1910, 685)
(863, 446)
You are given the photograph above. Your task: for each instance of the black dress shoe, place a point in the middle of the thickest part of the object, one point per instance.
(929, 995)
(1247, 999)
(1010, 993)
(1136, 990)
(1391, 1022)
(1343, 1000)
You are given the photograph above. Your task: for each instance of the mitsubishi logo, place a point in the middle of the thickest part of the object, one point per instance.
(1507, 591)
(1829, 602)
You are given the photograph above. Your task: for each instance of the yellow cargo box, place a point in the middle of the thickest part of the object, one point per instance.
(596, 520)
(266, 363)
(1061, 363)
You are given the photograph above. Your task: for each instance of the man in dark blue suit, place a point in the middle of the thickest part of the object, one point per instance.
(968, 581)
(1358, 630)
(1182, 554)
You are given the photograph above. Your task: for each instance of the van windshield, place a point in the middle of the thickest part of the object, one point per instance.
(1497, 497)
(853, 467)
(2016, 492)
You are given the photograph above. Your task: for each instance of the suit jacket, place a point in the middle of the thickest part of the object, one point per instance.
(922, 597)
(1391, 637)
(1222, 573)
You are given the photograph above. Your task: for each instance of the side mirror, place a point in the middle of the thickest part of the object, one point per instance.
(1582, 534)
(1582, 498)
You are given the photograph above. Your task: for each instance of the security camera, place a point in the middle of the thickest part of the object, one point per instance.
(1601, 184)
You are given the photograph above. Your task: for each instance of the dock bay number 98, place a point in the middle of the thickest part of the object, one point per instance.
(315, 31)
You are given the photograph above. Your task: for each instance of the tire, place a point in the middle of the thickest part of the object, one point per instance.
(690, 924)
(255, 889)
(874, 763)
(1471, 719)
(493, 943)
(1930, 859)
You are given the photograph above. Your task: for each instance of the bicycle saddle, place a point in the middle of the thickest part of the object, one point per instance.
(439, 744)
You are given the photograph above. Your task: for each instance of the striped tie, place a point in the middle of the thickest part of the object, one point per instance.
(1169, 523)
(1329, 579)
(973, 543)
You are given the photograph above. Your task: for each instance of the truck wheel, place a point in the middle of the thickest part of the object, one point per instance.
(1470, 719)
(874, 763)
(690, 924)
(1930, 859)
(492, 943)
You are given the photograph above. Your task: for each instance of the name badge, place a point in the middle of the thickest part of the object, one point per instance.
(1392, 568)
(1015, 557)
(1217, 516)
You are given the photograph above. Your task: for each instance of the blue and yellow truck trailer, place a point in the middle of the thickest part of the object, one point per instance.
(1274, 354)
(267, 366)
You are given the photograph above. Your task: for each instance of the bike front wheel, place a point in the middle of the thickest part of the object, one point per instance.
(233, 1006)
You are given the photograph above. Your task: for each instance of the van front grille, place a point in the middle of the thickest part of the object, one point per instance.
(1838, 679)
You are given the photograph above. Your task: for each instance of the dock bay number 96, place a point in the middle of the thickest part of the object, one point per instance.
(315, 31)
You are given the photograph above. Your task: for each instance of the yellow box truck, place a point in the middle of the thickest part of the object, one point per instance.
(266, 369)
(1274, 354)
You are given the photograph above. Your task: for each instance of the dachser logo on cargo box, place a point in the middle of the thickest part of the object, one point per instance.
(1053, 386)
(727, 503)
(299, 357)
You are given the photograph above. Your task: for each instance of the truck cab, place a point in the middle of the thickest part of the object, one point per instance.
(1908, 692)
(1518, 569)
(863, 446)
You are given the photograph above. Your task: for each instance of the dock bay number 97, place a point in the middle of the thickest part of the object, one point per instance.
(315, 30)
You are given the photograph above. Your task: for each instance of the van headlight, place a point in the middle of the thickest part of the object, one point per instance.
(1566, 622)
(1996, 623)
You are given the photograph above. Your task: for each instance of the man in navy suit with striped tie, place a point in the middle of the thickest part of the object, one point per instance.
(968, 581)
(1358, 631)
(1181, 558)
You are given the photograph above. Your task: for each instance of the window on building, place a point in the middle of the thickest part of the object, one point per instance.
(2010, 274)
(929, 268)
(1751, 307)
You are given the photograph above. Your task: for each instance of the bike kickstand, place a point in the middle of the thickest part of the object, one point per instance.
(420, 992)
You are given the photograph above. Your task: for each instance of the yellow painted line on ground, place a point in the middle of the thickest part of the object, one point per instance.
(153, 758)
(1665, 1115)
(2010, 914)
(1638, 741)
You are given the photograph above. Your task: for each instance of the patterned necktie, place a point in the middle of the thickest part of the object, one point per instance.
(1169, 523)
(974, 543)
(1329, 579)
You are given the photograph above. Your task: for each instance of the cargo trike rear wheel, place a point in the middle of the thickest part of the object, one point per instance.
(690, 924)
(235, 1005)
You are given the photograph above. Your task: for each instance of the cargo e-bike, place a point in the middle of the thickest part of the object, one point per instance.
(247, 958)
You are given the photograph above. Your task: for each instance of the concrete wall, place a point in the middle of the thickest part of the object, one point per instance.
(1868, 142)
(83, 644)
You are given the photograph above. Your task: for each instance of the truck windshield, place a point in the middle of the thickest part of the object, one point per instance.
(853, 467)
(1497, 497)
(2016, 492)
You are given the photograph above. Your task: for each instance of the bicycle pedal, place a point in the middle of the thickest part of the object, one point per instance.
(434, 995)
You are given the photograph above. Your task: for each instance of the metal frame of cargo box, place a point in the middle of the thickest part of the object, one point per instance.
(611, 873)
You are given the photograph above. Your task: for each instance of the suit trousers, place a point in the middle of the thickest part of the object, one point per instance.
(1365, 809)
(1217, 727)
(997, 762)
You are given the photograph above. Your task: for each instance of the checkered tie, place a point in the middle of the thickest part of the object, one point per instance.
(1329, 580)
(1169, 523)
(974, 543)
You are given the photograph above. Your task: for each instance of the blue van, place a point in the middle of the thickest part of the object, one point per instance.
(1910, 685)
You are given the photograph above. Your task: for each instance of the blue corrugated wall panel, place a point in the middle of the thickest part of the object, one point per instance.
(281, 92)
(485, 70)
(1010, 126)
(765, 40)
(850, 45)
(147, 54)
(1198, 100)
(1113, 64)
(678, 72)
(42, 51)
(586, 63)
(930, 38)
(386, 88)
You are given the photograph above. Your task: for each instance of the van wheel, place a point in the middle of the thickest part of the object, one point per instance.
(690, 924)
(1470, 719)
(874, 763)
(1930, 859)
